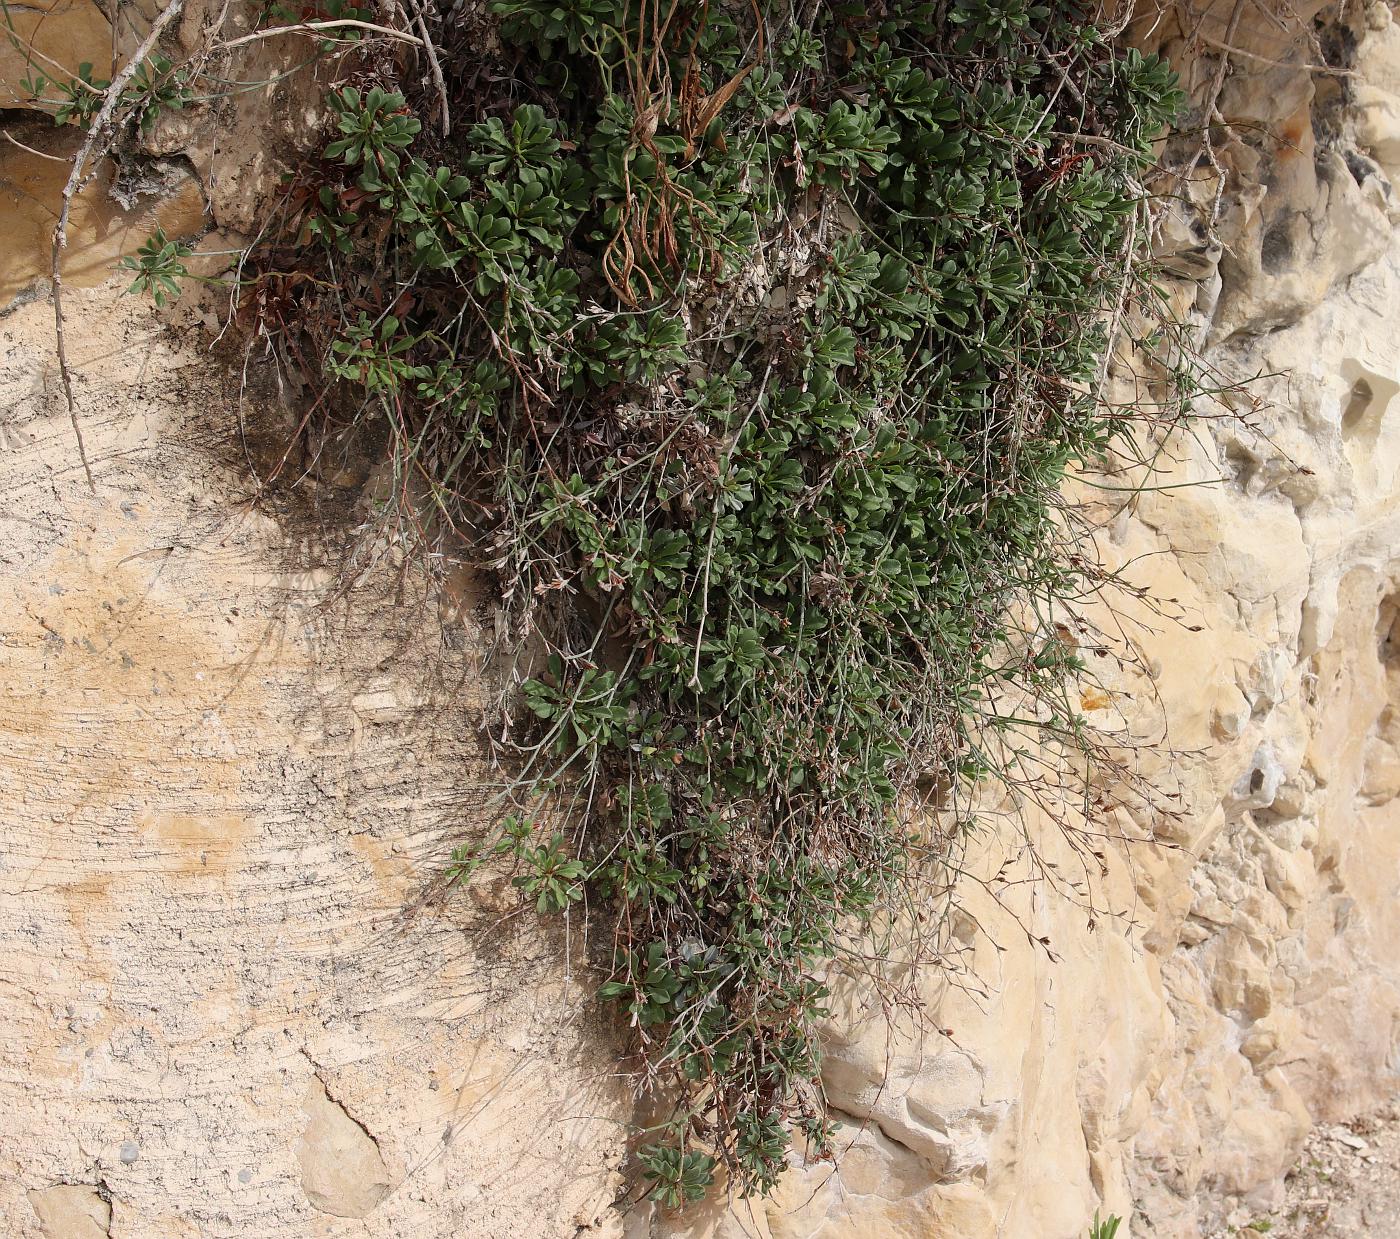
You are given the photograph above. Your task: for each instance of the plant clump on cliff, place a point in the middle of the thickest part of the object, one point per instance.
(747, 345)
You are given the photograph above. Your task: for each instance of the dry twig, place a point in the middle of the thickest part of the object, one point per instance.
(14, 141)
(320, 27)
(100, 125)
(438, 80)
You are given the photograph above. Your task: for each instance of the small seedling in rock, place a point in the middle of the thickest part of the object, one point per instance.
(1106, 1228)
(159, 265)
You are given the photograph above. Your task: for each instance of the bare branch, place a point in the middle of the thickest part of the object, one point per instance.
(319, 27)
(100, 125)
(434, 65)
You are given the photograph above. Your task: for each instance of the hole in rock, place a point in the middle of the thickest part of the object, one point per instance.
(1388, 633)
(1276, 251)
(1359, 401)
(1240, 463)
(1365, 404)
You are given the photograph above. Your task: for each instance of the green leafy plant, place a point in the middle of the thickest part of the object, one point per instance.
(678, 1177)
(375, 355)
(1106, 1228)
(81, 96)
(552, 878)
(156, 87)
(375, 128)
(159, 265)
(577, 24)
(528, 140)
(749, 356)
(996, 23)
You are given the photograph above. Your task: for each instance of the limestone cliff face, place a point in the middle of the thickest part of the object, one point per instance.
(226, 780)
(230, 770)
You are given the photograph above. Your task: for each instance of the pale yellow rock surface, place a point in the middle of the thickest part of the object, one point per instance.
(217, 841)
(341, 1169)
(72, 1211)
(226, 785)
